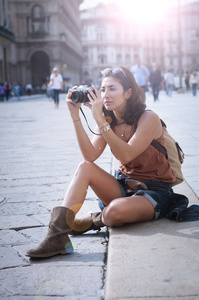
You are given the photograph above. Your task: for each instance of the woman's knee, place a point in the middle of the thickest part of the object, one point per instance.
(84, 167)
(112, 214)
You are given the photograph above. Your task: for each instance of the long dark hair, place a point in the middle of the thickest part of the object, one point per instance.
(135, 104)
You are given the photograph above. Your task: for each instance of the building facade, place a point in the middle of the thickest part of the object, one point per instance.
(7, 44)
(182, 38)
(109, 40)
(43, 34)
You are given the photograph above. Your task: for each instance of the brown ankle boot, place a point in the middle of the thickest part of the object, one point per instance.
(57, 240)
(93, 222)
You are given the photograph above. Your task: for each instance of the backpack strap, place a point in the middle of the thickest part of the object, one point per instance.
(154, 143)
(159, 147)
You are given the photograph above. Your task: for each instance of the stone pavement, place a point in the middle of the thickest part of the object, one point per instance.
(38, 156)
(159, 260)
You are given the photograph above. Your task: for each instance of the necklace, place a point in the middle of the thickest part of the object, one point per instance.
(123, 131)
(123, 122)
(122, 134)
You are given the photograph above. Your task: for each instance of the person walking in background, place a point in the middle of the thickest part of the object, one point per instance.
(186, 80)
(56, 82)
(43, 88)
(2, 92)
(141, 74)
(49, 91)
(194, 83)
(17, 90)
(169, 82)
(7, 90)
(155, 80)
(29, 89)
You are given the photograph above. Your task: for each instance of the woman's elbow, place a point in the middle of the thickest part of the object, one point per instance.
(90, 158)
(125, 160)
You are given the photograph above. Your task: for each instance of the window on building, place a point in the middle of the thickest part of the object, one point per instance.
(194, 60)
(101, 49)
(85, 58)
(127, 33)
(118, 31)
(38, 19)
(84, 33)
(101, 32)
(102, 59)
(127, 59)
(171, 61)
(38, 24)
(119, 58)
(84, 37)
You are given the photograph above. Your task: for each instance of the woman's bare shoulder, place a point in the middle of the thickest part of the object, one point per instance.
(149, 115)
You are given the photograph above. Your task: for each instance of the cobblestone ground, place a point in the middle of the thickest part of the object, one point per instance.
(38, 156)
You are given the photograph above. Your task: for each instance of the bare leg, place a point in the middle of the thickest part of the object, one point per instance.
(119, 210)
(128, 210)
(103, 184)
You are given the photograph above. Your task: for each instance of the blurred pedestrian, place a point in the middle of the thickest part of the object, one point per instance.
(2, 91)
(186, 80)
(169, 82)
(43, 88)
(141, 74)
(17, 91)
(7, 90)
(29, 89)
(68, 85)
(56, 82)
(194, 83)
(155, 80)
(49, 91)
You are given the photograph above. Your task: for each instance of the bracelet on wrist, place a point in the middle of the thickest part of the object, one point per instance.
(76, 120)
(104, 127)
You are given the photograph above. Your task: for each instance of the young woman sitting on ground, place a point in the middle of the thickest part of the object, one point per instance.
(141, 188)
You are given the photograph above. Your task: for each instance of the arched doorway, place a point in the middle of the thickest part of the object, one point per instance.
(40, 68)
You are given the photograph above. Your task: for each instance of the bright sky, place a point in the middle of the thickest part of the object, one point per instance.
(144, 11)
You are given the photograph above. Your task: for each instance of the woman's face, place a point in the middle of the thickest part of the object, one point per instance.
(113, 94)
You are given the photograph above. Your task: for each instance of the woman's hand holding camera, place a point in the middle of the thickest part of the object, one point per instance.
(89, 97)
(72, 106)
(96, 103)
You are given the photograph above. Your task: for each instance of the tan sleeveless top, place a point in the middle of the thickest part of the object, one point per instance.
(150, 165)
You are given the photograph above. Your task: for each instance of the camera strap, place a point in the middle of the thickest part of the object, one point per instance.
(87, 123)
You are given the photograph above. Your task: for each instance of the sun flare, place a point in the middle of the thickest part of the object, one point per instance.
(144, 11)
(141, 11)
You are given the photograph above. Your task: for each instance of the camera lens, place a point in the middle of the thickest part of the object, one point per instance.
(77, 96)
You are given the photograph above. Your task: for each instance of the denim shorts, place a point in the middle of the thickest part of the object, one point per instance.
(159, 194)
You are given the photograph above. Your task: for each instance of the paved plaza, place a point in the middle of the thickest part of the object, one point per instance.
(38, 157)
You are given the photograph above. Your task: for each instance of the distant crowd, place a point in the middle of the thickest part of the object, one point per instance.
(8, 90)
(151, 80)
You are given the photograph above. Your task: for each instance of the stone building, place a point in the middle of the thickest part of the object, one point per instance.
(182, 34)
(38, 35)
(7, 44)
(109, 40)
